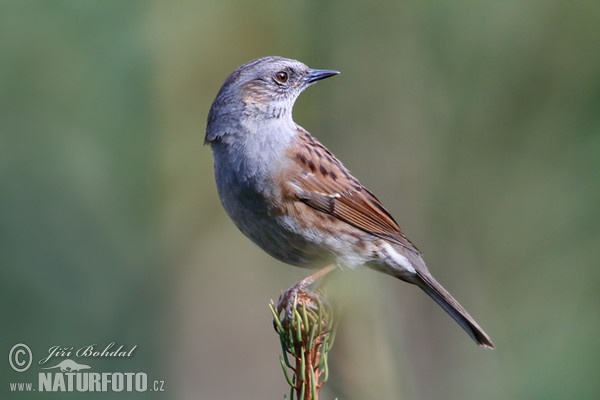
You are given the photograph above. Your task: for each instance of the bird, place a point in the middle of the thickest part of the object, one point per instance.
(293, 198)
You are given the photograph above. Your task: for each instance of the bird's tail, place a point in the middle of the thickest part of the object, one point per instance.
(441, 296)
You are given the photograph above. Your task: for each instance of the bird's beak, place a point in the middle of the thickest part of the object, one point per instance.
(313, 75)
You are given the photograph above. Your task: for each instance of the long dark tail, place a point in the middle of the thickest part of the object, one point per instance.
(441, 296)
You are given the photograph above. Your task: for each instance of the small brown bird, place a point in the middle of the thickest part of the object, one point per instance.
(292, 197)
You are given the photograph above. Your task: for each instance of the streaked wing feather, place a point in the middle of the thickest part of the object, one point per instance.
(330, 188)
(360, 209)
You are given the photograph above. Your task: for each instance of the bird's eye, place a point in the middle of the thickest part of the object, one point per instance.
(281, 76)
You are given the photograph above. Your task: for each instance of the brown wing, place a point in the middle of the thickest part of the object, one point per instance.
(323, 183)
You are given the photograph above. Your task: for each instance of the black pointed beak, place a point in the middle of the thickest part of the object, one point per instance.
(313, 75)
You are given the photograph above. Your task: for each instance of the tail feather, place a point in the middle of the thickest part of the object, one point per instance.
(441, 296)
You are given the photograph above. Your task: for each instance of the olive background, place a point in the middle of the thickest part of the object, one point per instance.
(477, 124)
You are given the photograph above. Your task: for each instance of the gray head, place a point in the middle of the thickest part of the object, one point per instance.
(264, 88)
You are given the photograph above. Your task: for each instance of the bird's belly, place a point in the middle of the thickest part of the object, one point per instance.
(275, 234)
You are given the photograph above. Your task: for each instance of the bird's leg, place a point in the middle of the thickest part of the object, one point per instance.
(289, 297)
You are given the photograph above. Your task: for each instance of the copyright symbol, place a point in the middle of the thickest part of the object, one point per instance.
(20, 357)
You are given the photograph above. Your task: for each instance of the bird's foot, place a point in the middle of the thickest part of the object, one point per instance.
(301, 292)
(297, 294)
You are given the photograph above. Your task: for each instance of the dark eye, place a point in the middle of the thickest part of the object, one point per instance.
(281, 76)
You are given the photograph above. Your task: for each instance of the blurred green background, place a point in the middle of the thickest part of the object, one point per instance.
(476, 123)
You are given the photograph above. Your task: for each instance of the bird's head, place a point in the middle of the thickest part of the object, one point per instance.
(264, 88)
